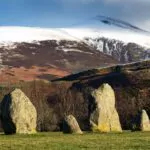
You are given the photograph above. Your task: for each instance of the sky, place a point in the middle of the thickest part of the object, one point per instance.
(67, 13)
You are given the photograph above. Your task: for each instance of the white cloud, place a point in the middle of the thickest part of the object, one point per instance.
(136, 12)
(145, 24)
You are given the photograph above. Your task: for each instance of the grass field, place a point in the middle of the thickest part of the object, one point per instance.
(92, 141)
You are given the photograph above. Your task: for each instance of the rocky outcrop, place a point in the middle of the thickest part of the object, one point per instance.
(123, 52)
(104, 116)
(18, 115)
(70, 125)
(145, 123)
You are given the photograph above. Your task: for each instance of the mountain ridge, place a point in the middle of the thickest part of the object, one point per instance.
(35, 53)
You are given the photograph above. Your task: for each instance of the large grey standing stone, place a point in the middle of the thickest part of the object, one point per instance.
(104, 116)
(18, 115)
(145, 123)
(70, 125)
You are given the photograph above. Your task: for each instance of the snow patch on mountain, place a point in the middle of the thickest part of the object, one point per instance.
(74, 50)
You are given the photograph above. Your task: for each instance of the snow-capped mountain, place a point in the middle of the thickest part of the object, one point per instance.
(28, 53)
(123, 45)
(47, 59)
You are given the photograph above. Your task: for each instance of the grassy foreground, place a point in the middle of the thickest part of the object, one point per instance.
(92, 141)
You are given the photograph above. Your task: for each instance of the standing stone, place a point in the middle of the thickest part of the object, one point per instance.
(70, 125)
(104, 116)
(18, 115)
(145, 123)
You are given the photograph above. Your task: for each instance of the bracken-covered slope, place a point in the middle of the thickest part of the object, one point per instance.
(48, 59)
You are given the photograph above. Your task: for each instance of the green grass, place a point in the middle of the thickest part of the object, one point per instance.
(92, 141)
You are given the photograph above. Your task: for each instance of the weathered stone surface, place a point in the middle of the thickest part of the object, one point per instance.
(104, 116)
(18, 115)
(70, 125)
(145, 123)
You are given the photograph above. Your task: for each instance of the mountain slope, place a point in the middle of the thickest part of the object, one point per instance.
(48, 59)
(34, 53)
